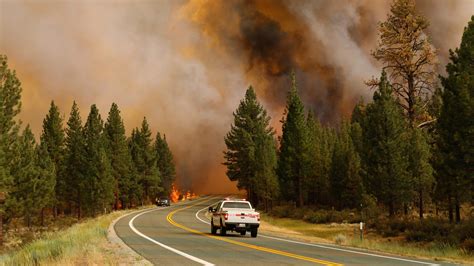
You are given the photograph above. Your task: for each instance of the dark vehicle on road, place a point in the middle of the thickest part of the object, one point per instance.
(163, 201)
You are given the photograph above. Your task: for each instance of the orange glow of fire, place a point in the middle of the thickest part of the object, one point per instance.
(174, 196)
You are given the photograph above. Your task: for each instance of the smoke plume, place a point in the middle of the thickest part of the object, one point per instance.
(186, 64)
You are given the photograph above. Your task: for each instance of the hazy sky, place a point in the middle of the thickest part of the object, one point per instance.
(186, 64)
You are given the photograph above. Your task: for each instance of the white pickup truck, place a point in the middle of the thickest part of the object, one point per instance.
(234, 215)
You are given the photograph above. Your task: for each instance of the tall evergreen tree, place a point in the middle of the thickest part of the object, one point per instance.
(24, 171)
(266, 181)
(45, 183)
(314, 151)
(75, 162)
(33, 179)
(249, 158)
(455, 126)
(52, 138)
(144, 160)
(384, 135)
(119, 156)
(97, 172)
(294, 164)
(419, 167)
(165, 163)
(10, 106)
(346, 182)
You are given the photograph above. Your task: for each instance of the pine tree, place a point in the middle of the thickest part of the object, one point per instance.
(52, 138)
(385, 162)
(408, 56)
(249, 143)
(165, 163)
(314, 151)
(455, 126)
(251, 154)
(10, 106)
(33, 179)
(45, 183)
(97, 172)
(419, 167)
(144, 160)
(75, 162)
(346, 182)
(294, 164)
(265, 181)
(119, 156)
(24, 171)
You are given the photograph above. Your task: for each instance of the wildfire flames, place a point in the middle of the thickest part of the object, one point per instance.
(176, 195)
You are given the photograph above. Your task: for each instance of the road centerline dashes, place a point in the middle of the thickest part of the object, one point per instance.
(169, 217)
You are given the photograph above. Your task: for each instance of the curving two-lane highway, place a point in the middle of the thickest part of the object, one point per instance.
(180, 235)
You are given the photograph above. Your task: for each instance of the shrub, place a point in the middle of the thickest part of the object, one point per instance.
(468, 245)
(340, 239)
(282, 211)
(431, 229)
(317, 217)
(298, 213)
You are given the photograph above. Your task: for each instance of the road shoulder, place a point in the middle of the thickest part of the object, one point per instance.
(133, 258)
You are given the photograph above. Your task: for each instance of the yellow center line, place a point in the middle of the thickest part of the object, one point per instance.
(260, 248)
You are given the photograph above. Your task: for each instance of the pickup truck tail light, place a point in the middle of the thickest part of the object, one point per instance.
(226, 216)
(258, 217)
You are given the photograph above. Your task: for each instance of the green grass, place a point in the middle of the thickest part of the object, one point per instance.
(374, 242)
(82, 243)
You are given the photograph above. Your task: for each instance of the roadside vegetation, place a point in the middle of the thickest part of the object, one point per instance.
(402, 163)
(348, 234)
(73, 170)
(83, 243)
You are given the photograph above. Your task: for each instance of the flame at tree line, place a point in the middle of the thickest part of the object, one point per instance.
(177, 195)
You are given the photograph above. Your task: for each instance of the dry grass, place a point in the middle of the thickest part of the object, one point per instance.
(84, 243)
(323, 233)
(331, 233)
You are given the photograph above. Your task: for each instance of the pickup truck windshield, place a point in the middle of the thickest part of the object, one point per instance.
(236, 205)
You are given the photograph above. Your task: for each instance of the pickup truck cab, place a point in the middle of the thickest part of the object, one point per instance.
(234, 215)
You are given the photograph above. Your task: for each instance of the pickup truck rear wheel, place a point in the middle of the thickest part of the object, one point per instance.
(223, 230)
(254, 232)
(213, 228)
(242, 233)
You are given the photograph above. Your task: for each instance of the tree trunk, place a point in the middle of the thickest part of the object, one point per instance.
(391, 209)
(116, 205)
(28, 221)
(300, 192)
(458, 211)
(411, 101)
(79, 214)
(1, 229)
(42, 216)
(450, 210)
(420, 203)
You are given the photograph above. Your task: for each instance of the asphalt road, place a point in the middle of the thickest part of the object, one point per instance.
(180, 235)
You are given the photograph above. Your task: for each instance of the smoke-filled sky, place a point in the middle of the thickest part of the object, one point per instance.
(186, 64)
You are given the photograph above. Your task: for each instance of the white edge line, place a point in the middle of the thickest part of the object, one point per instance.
(198, 260)
(326, 247)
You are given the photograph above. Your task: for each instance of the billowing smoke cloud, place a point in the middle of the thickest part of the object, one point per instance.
(186, 64)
